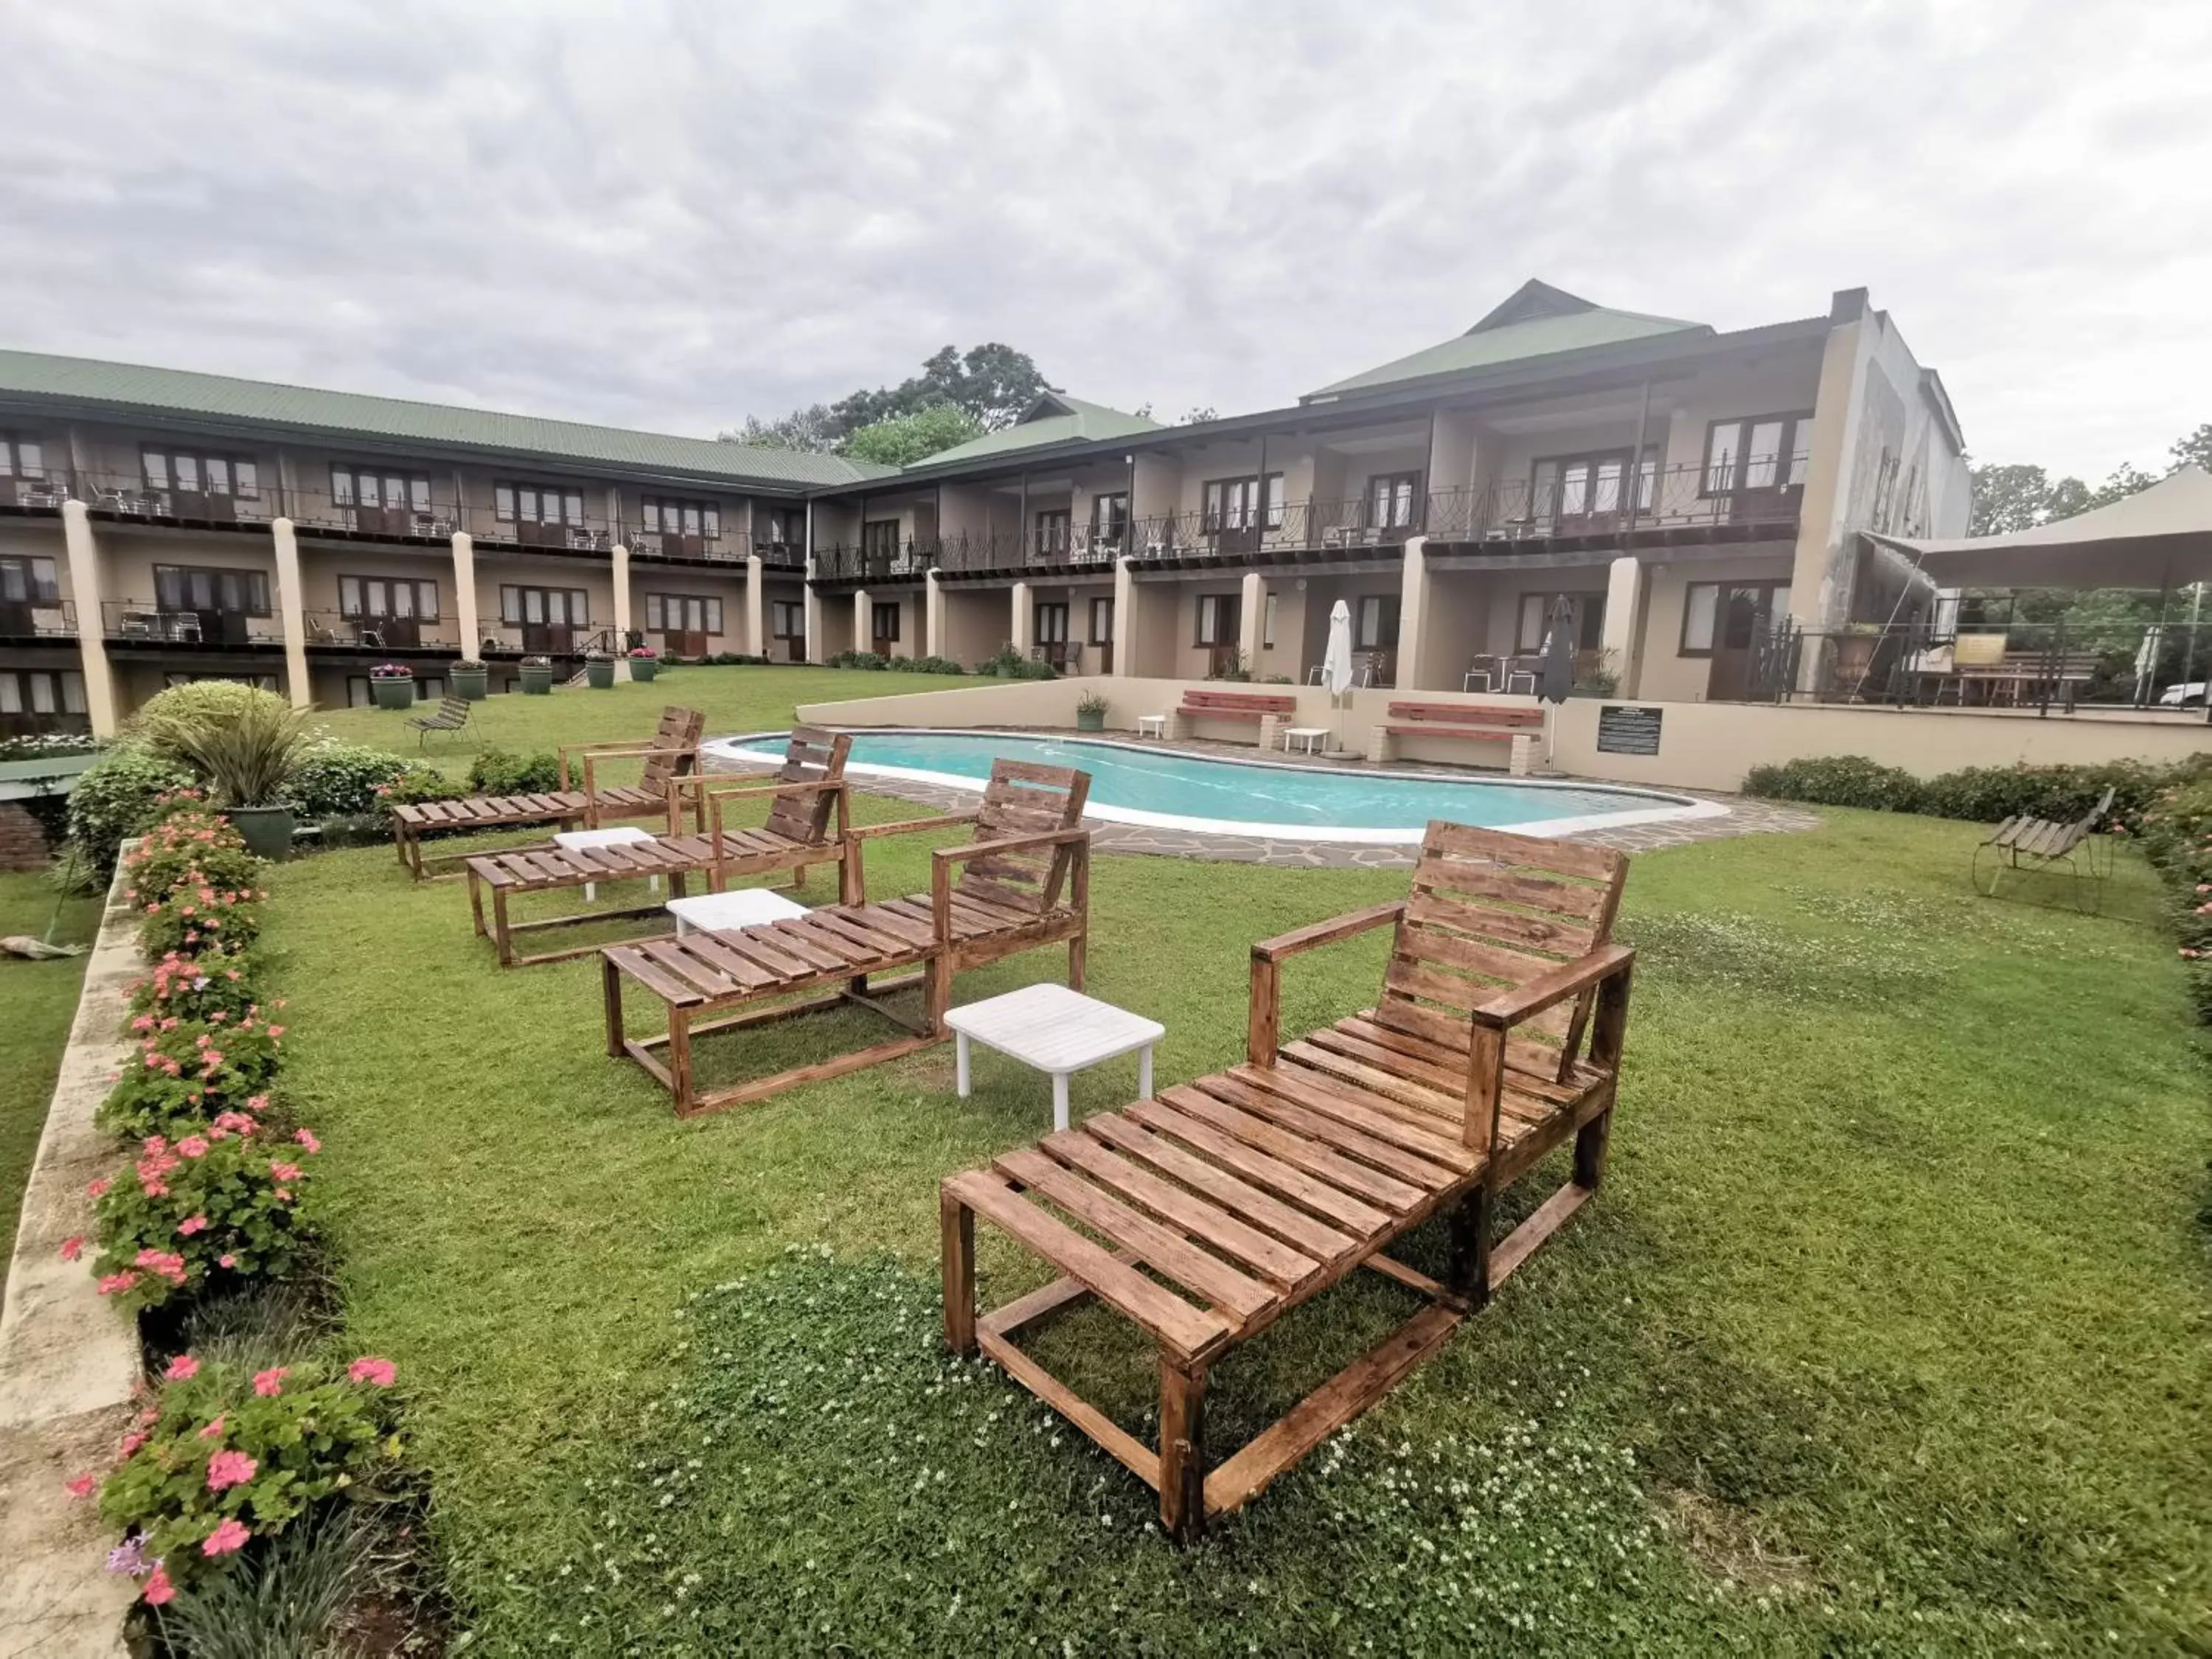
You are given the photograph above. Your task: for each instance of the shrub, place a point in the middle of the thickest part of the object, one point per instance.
(188, 1071)
(193, 921)
(224, 1455)
(416, 782)
(335, 779)
(114, 800)
(858, 659)
(903, 664)
(214, 989)
(246, 747)
(936, 665)
(44, 746)
(1010, 664)
(497, 772)
(208, 1211)
(199, 702)
(188, 851)
(1978, 794)
(1838, 780)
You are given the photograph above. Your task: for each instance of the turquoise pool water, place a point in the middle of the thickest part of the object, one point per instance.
(1149, 785)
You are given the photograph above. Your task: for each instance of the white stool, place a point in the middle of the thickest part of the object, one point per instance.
(748, 906)
(570, 840)
(1055, 1031)
(1152, 725)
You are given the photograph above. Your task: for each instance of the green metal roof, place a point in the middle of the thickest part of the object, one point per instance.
(1054, 418)
(1538, 320)
(137, 390)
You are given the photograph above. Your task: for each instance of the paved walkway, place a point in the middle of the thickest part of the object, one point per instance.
(1745, 816)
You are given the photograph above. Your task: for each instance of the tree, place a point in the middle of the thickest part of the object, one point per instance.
(2195, 450)
(810, 429)
(992, 384)
(905, 438)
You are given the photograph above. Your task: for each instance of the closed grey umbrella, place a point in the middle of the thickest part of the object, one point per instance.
(1559, 652)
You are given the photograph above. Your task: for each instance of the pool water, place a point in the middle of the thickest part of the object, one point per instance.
(1137, 784)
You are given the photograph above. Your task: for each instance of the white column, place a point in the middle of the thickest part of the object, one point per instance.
(1624, 583)
(1125, 617)
(1413, 616)
(465, 592)
(290, 613)
(1251, 613)
(91, 627)
(756, 636)
(932, 616)
(621, 610)
(1023, 620)
(864, 626)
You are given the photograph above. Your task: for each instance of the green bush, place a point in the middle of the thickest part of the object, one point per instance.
(198, 703)
(1010, 664)
(194, 921)
(1838, 780)
(858, 659)
(334, 780)
(1978, 794)
(114, 799)
(498, 772)
(417, 782)
(245, 745)
(214, 989)
(188, 852)
(936, 665)
(187, 1072)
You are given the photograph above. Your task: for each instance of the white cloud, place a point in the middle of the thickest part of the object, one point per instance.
(672, 216)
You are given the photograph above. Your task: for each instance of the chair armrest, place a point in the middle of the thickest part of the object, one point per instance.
(1327, 932)
(942, 861)
(1570, 979)
(874, 831)
(616, 748)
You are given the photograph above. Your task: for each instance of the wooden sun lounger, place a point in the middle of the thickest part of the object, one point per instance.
(1205, 1213)
(672, 752)
(2026, 845)
(1024, 881)
(807, 789)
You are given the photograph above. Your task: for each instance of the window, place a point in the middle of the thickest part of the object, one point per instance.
(42, 691)
(1390, 500)
(1217, 619)
(387, 596)
(375, 489)
(537, 504)
(879, 537)
(885, 619)
(29, 581)
(1759, 452)
(1534, 621)
(786, 619)
(676, 518)
(1052, 622)
(1052, 531)
(1234, 503)
(1101, 621)
(1268, 624)
(1374, 627)
(682, 613)
(1575, 486)
(1729, 616)
(194, 588)
(1110, 515)
(782, 526)
(561, 607)
(20, 457)
(196, 472)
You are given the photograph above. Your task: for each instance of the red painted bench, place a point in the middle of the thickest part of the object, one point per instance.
(1476, 722)
(1235, 705)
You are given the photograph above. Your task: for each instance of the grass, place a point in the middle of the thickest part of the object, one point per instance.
(1887, 1333)
(38, 1000)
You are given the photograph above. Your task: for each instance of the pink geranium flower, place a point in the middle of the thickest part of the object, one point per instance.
(226, 1469)
(192, 1146)
(182, 1369)
(306, 1138)
(285, 1171)
(369, 1369)
(192, 1224)
(72, 1246)
(214, 1430)
(159, 1590)
(226, 1538)
(98, 1188)
(131, 1442)
(271, 1383)
(82, 1486)
(116, 1284)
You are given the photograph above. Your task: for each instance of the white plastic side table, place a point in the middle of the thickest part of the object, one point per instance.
(570, 840)
(1057, 1031)
(1152, 726)
(1308, 736)
(748, 906)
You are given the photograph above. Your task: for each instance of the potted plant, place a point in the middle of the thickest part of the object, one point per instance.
(1091, 712)
(391, 686)
(1854, 646)
(472, 680)
(600, 670)
(537, 676)
(248, 750)
(644, 662)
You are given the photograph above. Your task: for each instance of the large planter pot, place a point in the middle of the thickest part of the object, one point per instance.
(536, 682)
(267, 830)
(1853, 656)
(471, 685)
(644, 668)
(1090, 720)
(600, 673)
(393, 693)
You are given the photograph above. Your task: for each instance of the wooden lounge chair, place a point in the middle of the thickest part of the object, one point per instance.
(2025, 845)
(453, 715)
(808, 788)
(1220, 1205)
(673, 751)
(1024, 881)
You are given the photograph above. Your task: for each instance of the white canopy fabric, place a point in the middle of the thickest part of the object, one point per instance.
(2158, 537)
(1336, 660)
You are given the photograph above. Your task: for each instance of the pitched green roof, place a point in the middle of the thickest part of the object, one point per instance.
(1054, 418)
(136, 389)
(1538, 320)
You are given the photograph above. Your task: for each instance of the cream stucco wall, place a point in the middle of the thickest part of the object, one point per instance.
(1665, 674)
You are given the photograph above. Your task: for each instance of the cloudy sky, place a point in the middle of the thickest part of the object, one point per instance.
(672, 216)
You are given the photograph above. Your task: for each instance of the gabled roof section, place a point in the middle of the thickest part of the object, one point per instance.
(1054, 418)
(134, 390)
(1535, 320)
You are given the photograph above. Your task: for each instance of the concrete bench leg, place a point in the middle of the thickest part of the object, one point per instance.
(1271, 732)
(1379, 747)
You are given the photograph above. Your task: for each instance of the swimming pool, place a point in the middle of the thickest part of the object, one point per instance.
(1164, 788)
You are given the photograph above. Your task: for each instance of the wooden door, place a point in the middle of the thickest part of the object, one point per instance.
(1744, 615)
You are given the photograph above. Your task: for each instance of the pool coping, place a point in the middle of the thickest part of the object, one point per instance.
(1679, 808)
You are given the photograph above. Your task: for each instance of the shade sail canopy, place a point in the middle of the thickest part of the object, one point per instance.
(2157, 537)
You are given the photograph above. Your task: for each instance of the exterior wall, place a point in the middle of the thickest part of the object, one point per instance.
(1147, 635)
(689, 581)
(977, 621)
(128, 555)
(495, 570)
(321, 565)
(41, 539)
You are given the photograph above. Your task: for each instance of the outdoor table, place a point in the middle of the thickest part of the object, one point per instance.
(573, 839)
(1152, 726)
(748, 906)
(1053, 1029)
(1307, 735)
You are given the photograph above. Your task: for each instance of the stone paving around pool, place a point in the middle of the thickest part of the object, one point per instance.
(1745, 816)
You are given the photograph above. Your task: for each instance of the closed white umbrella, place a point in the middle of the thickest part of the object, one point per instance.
(1336, 660)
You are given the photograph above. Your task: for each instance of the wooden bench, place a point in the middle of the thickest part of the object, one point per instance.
(453, 715)
(1474, 722)
(1204, 1214)
(1258, 707)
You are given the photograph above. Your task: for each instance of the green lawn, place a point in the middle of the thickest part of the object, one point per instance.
(38, 1000)
(1887, 1333)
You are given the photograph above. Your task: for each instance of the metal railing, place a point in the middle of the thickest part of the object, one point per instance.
(41, 492)
(669, 544)
(40, 618)
(127, 496)
(779, 555)
(421, 516)
(145, 620)
(345, 631)
(1584, 503)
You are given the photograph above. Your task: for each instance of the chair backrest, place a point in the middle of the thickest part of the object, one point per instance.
(679, 730)
(1021, 799)
(1490, 911)
(812, 756)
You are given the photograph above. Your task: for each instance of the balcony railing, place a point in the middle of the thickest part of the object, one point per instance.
(145, 620)
(504, 638)
(44, 491)
(41, 617)
(339, 630)
(419, 517)
(128, 496)
(1600, 503)
(779, 555)
(670, 545)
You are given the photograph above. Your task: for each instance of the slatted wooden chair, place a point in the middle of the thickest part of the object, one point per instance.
(1205, 1213)
(2025, 844)
(1024, 881)
(673, 751)
(808, 789)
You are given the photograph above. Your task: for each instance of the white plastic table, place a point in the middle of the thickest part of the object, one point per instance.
(572, 839)
(746, 908)
(1152, 726)
(1055, 1031)
(1308, 736)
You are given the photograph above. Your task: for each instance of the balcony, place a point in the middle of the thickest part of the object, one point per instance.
(668, 544)
(406, 514)
(41, 616)
(42, 492)
(336, 630)
(779, 555)
(1592, 503)
(507, 638)
(127, 497)
(143, 621)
